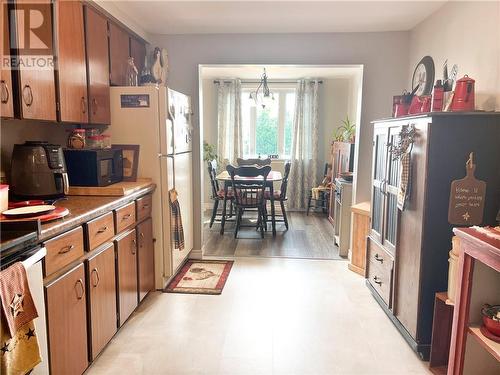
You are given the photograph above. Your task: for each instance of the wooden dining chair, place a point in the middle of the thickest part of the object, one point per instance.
(259, 162)
(248, 192)
(323, 198)
(217, 193)
(280, 196)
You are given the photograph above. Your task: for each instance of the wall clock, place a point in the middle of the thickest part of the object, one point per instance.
(423, 76)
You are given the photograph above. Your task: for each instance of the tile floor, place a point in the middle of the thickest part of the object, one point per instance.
(275, 316)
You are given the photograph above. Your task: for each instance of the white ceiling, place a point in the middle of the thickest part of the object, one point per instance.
(206, 17)
(280, 72)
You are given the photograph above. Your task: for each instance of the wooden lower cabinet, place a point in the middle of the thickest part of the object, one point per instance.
(146, 264)
(102, 298)
(67, 323)
(126, 252)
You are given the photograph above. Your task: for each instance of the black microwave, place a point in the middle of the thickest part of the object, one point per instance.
(98, 167)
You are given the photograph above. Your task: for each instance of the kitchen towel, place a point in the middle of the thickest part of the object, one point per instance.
(19, 353)
(176, 223)
(404, 179)
(17, 304)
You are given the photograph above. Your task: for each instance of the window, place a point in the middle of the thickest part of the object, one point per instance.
(268, 131)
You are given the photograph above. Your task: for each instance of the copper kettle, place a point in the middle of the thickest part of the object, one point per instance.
(463, 99)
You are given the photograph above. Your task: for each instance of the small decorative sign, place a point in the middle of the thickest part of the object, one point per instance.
(134, 101)
(467, 198)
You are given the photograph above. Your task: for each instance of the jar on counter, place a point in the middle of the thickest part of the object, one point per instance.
(106, 141)
(95, 141)
(76, 139)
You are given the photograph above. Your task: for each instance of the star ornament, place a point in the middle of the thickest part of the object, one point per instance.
(466, 216)
(30, 333)
(17, 305)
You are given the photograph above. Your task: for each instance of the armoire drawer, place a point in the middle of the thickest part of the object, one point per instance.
(379, 270)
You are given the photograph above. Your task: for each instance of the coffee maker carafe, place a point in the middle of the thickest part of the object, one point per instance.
(38, 170)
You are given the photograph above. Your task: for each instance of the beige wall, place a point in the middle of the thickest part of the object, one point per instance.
(467, 34)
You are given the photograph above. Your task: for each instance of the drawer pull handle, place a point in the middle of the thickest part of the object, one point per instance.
(66, 249)
(82, 289)
(27, 95)
(94, 106)
(5, 92)
(134, 248)
(84, 105)
(378, 258)
(144, 206)
(126, 217)
(142, 235)
(102, 230)
(97, 279)
(377, 281)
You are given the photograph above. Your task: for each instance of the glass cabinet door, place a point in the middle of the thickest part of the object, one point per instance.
(378, 179)
(390, 192)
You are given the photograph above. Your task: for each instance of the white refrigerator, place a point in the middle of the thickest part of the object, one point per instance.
(159, 120)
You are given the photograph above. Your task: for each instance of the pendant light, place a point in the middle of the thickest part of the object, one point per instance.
(262, 96)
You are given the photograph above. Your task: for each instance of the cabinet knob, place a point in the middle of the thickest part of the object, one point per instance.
(5, 92)
(27, 95)
(79, 288)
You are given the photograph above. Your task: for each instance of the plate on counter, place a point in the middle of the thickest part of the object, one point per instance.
(27, 211)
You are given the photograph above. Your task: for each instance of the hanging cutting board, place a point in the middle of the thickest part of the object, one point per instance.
(119, 189)
(467, 198)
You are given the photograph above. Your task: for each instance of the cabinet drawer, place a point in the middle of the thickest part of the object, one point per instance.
(143, 207)
(100, 230)
(63, 249)
(125, 217)
(379, 270)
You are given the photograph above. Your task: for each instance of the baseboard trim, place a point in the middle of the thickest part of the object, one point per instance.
(196, 254)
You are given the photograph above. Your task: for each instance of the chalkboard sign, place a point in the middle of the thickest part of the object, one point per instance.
(467, 198)
(134, 101)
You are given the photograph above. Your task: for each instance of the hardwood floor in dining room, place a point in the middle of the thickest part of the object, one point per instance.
(308, 237)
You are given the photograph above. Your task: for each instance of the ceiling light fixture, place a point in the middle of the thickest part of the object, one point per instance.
(262, 96)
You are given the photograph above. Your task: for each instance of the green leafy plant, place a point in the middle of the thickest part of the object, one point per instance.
(209, 153)
(346, 132)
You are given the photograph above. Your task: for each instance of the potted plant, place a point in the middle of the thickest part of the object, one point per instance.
(209, 153)
(346, 132)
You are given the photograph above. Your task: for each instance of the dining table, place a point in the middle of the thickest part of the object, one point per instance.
(272, 177)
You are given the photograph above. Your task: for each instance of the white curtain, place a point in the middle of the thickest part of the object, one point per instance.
(230, 144)
(304, 158)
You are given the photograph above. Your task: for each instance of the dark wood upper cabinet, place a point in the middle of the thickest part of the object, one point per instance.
(36, 86)
(71, 69)
(96, 32)
(138, 52)
(126, 249)
(102, 299)
(145, 257)
(67, 323)
(119, 52)
(7, 108)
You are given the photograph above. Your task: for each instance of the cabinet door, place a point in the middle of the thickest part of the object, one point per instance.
(36, 86)
(67, 323)
(71, 68)
(102, 298)
(138, 52)
(145, 258)
(378, 181)
(119, 51)
(96, 36)
(391, 213)
(126, 248)
(7, 108)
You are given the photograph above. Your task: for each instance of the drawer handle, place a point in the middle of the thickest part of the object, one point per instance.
(377, 281)
(84, 105)
(97, 279)
(66, 249)
(102, 230)
(144, 206)
(5, 92)
(134, 246)
(82, 289)
(141, 234)
(94, 106)
(378, 258)
(126, 217)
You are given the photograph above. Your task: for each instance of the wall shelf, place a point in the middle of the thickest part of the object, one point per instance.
(491, 346)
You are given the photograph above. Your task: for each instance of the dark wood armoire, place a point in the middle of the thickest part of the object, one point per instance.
(407, 251)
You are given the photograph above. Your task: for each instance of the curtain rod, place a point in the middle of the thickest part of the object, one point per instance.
(258, 81)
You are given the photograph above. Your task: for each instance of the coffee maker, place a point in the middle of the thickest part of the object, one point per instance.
(38, 171)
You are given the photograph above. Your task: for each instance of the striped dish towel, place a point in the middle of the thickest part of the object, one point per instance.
(404, 180)
(176, 222)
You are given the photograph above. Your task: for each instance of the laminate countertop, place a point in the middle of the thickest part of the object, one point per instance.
(85, 208)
